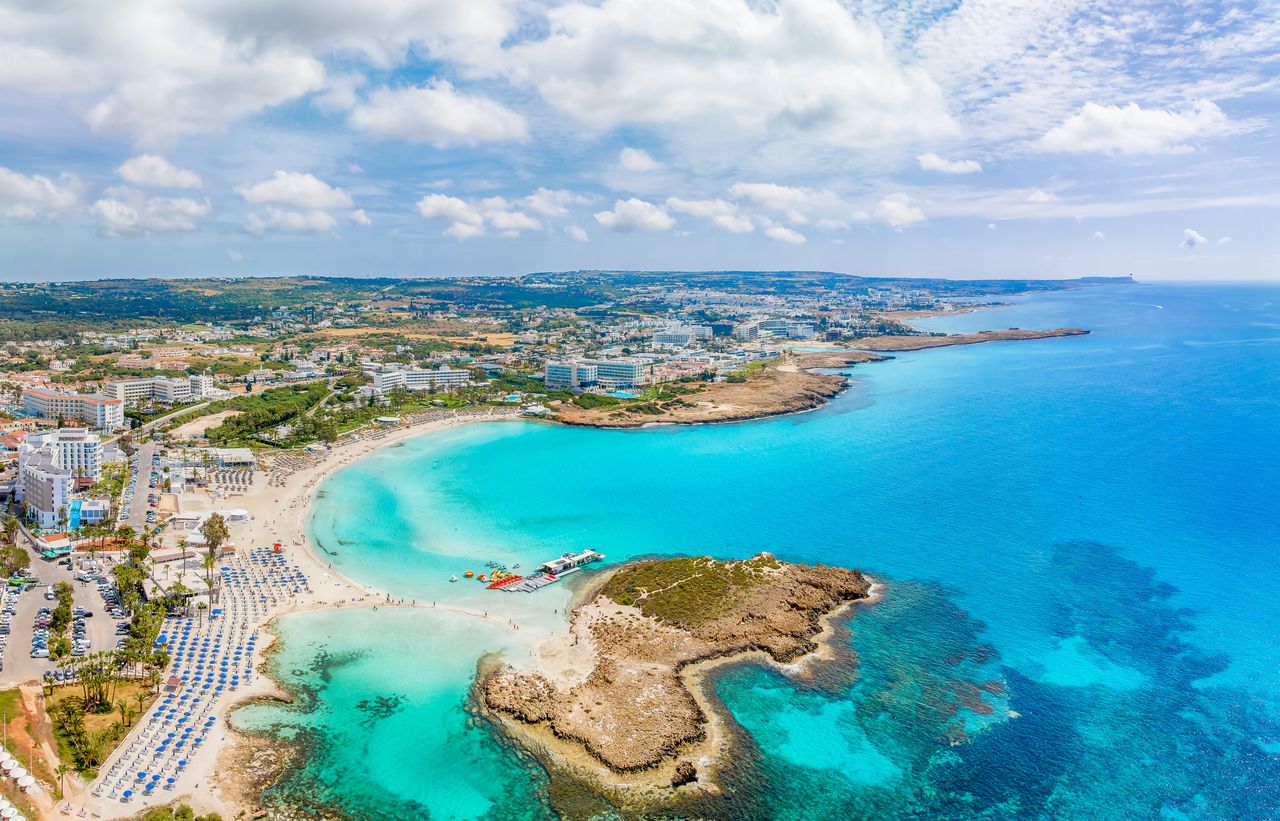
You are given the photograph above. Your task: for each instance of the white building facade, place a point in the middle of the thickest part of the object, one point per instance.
(104, 412)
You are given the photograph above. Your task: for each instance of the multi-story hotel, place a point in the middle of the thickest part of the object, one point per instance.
(168, 390)
(386, 379)
(614, 374)
(104, 412)
(51, 466)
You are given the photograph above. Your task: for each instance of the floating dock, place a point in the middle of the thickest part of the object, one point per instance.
(548, 572)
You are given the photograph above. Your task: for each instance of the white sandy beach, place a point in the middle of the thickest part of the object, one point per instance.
(278, 513)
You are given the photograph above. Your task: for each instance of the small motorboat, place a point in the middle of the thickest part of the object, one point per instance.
(481, 578)
(515, 566)
(468, 574)
(453, 578)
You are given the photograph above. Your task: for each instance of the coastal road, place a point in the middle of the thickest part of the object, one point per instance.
(159, 420)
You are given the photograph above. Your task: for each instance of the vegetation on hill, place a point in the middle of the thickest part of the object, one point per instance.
(687, 591)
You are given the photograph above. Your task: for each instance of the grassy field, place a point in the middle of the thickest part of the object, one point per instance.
(686, 591)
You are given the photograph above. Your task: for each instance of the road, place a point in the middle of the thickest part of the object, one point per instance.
(159, 420)
(141, 471)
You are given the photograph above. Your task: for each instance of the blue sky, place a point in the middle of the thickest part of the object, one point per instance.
(1033, 138)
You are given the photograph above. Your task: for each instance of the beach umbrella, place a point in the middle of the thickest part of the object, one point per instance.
(17, 772)
(26, 782)
(8, 812)
(127, 795)
(170, 782)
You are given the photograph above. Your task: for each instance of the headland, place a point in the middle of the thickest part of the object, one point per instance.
(618, 702)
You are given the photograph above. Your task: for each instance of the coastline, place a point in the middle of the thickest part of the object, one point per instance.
(794, 384)
(677, 765)
(279, 513)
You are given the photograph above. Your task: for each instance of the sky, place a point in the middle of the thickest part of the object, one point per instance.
(969, 138)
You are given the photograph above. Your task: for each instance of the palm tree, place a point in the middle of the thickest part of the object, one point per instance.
(215, 535)
(11, 529)
(61, 771)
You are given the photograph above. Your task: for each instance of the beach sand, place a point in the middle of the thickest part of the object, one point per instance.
(278, 513)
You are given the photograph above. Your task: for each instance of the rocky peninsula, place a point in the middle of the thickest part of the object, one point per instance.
(617, 702)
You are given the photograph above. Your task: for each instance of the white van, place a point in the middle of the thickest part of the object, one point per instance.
(49, 594)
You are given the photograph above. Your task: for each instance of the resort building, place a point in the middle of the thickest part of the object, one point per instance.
(613, 374)
(164, 389)
(386, 379)
(617, 374)
(573, 373)
(74, 449)
(104, 412)
(45, 489)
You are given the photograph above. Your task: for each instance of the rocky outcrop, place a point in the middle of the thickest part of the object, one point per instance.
(649, 626)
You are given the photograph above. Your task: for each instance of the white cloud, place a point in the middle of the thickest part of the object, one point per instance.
(1041, 196)
(438, 114)
(159, 69)
(637, 159)
(932, 162)
(304, 191)
(798, 204)
(779, 71)
(276, 219)
(549, 203)
(1224, 241)
(1113, 129)
(991, 226)
(576, 233)
(1191, 238)
(897, 211)
(462, 230)
(442, 206)
(359, 217)
(234, 255)
(635, 215)
(784, 234)
(152, 171)
(511, 223)
(1099, 235)
(469, 220)
(722, 213)
(124, 211)
(31, 197)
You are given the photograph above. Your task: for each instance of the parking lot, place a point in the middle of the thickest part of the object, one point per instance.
(136, 504)
(21, 611)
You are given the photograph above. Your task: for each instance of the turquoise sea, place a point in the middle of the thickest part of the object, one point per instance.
(1080, 538)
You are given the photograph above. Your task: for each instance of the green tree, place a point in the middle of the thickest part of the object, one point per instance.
(215, 534)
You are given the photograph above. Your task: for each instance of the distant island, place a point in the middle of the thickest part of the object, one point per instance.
(617, 702)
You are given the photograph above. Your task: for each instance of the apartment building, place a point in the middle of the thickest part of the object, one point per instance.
(103, 412)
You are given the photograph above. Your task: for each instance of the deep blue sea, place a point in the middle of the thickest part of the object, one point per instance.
(1079, 537)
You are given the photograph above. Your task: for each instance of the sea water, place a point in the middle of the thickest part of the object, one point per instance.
(1079, 538)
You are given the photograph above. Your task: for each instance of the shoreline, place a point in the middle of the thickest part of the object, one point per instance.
(673, 767)
(279, 512)
(794, 385)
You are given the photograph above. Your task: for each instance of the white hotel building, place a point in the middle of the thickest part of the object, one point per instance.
(614, 374)
(386, 379)
(165, 389)
(51, 465)
(104, 412)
